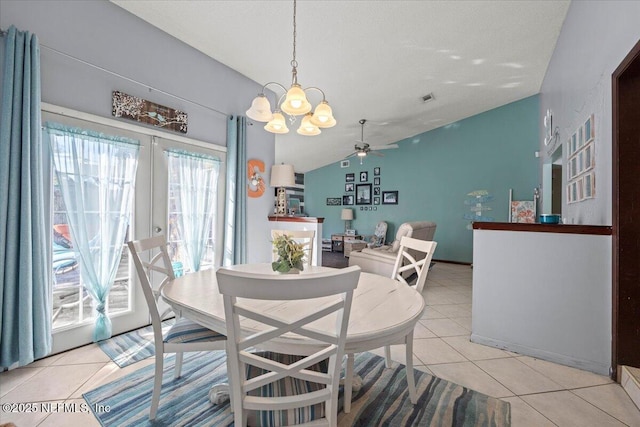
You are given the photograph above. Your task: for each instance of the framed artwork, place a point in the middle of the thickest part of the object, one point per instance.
(350, 177)
(363, 194)
(334, 201)
(589, 184)
(140, 110)
(376, 181)
(376, 171)
(376, 200)
(588, 157)
(376, 191)
(589, 133)
(344, 164)
(347, 200)
(389, 197)
(364, 176)
(348, 187)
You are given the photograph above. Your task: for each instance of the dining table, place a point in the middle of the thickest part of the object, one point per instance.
(384, 311)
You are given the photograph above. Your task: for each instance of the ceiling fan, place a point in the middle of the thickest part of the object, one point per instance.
(365, 149)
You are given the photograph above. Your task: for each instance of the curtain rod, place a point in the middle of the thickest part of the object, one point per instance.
(3, 33)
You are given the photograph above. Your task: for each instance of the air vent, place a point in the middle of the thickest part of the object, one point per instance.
(428, 97)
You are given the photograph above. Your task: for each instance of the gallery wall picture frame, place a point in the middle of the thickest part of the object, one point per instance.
(334, 201)
(347, 200)
(376, 191)
(350, 177)
(364, 176)
(376, 171)
(376, 200)
(376, 181)
(363, 194)
(348, 187)
(389, 197)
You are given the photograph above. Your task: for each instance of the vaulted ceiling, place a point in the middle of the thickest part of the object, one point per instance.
(374, 59)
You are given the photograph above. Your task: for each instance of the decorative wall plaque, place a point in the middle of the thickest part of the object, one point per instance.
(143, 111)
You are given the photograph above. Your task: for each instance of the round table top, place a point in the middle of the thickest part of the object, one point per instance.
(382, 310)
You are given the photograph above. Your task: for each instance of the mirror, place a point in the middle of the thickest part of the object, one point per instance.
(552, 183)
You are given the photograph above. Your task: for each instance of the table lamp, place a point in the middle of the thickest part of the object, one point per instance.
(282, 176)
(347, 216)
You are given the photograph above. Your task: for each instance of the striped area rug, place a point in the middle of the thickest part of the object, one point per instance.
(382, 400)
(134, 346)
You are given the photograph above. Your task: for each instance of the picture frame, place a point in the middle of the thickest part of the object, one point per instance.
(376, 181)
(363, 194)
(348, 187)
(350, 177)
(364, 176)
(376, 171)
(344, 163)
(347, 200)
(390, 197)
(350, 232)
(589, 133)
(376, 191)
(376, 200)
(334, 201)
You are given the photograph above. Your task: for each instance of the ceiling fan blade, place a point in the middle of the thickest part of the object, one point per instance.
(351, 155)
(385, 147)
(375, 153)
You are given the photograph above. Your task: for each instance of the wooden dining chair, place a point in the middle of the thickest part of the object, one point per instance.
(303, 237)
(275, 384)
(184, 335)
(414, 256)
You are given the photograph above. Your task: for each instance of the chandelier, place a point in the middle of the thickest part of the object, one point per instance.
(295, 104)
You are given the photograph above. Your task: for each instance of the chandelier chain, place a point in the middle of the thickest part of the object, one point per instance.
(294, 63)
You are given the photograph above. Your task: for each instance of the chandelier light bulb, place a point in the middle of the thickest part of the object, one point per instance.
(260, 110)
(323, 116)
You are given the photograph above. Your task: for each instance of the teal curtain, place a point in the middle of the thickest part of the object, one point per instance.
(235, 223)
(25, 284)
(195, 177)
(96, 174)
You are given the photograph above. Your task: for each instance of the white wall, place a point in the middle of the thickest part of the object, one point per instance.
(545, 295)
(110, 38)
(595, 38)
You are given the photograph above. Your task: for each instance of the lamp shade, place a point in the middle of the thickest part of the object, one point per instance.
(282, 176)
(296, 103)
(277, 124)
(323, 116)
(260, 110)
(307, 128)
(347, 214)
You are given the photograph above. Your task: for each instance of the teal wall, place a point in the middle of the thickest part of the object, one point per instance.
(434, 171)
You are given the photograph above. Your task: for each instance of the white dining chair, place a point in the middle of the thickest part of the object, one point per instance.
(303, 237)
(184, 335)
(414, 256)
(273, 383)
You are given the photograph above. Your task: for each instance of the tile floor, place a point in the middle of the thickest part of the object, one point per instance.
(541, 393)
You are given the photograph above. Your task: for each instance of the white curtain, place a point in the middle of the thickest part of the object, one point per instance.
(195, 195)
(96, 174)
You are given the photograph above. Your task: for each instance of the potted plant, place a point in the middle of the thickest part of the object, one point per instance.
(290, 255)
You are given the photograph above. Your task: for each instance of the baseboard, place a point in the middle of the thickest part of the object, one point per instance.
(585, 365)
(630, 382)
(451, 262)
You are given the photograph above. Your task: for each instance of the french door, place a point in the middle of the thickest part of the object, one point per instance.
(153, 213)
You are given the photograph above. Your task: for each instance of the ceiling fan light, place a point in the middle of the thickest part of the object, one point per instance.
(362, 154)
(323, 116)
(307, 128)
(260, 110)
(277, 124)
(296, 103)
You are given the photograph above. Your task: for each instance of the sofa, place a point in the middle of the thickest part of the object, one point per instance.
(382, 259)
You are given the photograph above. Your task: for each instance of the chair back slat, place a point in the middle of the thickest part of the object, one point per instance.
(240, 289)
(405, 260)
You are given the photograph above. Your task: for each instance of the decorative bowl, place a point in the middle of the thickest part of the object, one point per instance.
(549, 219)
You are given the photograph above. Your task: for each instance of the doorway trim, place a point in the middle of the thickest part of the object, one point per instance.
(617, 294)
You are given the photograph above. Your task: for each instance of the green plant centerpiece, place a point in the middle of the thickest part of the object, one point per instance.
(290, 255)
